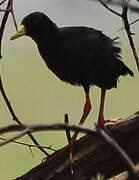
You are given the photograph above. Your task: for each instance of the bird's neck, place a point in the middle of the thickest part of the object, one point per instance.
(48, 47)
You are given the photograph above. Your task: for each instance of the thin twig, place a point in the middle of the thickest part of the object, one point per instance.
(3, 23)
(67, 130)
(31, 152)
(15, 24)
(39, 128)
(13, 16)
(129, 24)
(3, 2)
(22, 133)
(4, 10)
(131, 6)
(134, 8)
(30, 145)
(10, 9)
(113, 11)
(129, 34)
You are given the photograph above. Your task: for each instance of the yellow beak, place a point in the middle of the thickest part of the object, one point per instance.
(21, 32)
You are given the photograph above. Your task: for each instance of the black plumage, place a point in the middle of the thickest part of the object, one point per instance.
(78, 55)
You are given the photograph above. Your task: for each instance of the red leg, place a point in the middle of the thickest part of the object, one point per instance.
(101, 121)
(87, 108)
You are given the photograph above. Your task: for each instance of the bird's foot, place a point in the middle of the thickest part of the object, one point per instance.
(112, 120)
(102, 122)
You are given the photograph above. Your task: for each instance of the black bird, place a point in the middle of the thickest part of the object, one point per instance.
(78, 55)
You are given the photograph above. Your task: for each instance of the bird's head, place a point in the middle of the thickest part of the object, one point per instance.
(34, 25)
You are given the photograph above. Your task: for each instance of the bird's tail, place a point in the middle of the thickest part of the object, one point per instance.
(124, 70)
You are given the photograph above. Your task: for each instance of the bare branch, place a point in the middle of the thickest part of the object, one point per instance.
(3, 2)
(129, 24)
(111, 10)
(29, 145)
(120, 3)
(46, 127)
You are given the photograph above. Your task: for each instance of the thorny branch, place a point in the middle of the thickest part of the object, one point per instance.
(4, 20)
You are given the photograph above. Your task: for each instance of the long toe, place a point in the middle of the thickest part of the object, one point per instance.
(112, 120)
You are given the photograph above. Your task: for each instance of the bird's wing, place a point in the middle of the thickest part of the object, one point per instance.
(86, 44)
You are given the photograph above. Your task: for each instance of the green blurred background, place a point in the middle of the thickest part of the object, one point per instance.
(38, 96)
